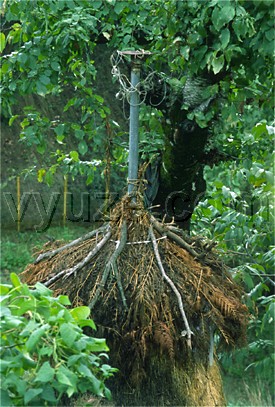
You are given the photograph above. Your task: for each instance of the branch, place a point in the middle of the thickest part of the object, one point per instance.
(111, 263)
(81, 264)
(162, 229)
(188, 331)
(52, 253)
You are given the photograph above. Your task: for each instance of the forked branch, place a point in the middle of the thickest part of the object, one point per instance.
(111, 264)
(163, 230)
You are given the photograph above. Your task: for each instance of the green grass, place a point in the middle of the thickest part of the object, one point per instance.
(240, 392)
(17, 248)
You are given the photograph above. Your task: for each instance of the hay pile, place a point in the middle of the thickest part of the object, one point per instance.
(157, 296)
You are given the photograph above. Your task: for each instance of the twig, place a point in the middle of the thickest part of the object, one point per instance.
(188, 331)
(111, 262)
(52, 253)
(78, 266)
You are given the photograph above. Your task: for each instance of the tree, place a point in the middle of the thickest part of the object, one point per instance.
(225, 57)
(221, 64)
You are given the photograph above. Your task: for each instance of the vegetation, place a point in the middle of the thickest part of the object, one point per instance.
(44, 352)
(238, 214)
(48, 50)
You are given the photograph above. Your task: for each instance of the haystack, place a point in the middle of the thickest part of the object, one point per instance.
(158, 296)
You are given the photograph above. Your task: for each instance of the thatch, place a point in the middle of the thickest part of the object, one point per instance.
(157, 295)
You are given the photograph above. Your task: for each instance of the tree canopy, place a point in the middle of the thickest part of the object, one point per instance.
(48, 47)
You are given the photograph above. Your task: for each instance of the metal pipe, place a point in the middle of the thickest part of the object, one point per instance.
(133, 136)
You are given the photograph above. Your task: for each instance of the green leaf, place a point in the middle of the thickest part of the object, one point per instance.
(82, 147)
(15, 280)
(90, 178)
(64, 300)
(87, 322)
(79, 134)
(185, 51)
(41, 148)
(225, 37)
(97, 345)
(45, 373)
(59, 130)
(43, 290)
(99, 98)
(2, 42)
(31, 394)
(36, 336)
(270, 34)
(66, 377)
(217, 64)
(5, 398)
(55, 66)
(49, 394)
(44, 79)
(79, 313)
(41, 88)
(74, 155)
(222, 14)
(120, 5)
(68, 333)
(5, 288)
(12, 119)
(85, 371)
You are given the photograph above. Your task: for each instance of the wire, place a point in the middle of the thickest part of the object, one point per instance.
(142, 88)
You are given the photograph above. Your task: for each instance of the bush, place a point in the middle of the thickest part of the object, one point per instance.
(44, 353)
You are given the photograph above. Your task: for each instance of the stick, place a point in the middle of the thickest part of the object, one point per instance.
(52, 253)
(81, 264)
(111, 263)
(188, 331)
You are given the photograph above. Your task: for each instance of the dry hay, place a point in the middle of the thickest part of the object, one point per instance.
(143, 313)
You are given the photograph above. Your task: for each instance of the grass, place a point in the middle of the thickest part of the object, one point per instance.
(244, 392)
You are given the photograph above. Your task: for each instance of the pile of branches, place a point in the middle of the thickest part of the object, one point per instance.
(148, 285)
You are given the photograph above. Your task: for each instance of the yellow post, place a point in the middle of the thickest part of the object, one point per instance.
(18, 203)
(65, 199)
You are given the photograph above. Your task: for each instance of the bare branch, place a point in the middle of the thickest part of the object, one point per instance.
(52, 253)
(81, 264)
(111, 262)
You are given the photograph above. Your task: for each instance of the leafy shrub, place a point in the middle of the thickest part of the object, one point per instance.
(44, 353)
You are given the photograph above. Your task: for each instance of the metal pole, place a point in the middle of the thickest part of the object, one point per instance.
(133, 139)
